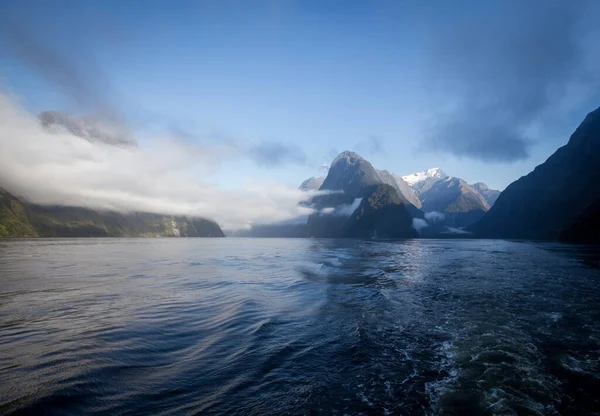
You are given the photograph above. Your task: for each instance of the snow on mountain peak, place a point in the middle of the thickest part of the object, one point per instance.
(433, 173)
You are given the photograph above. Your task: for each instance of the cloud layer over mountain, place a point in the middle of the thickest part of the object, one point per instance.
(161, 176)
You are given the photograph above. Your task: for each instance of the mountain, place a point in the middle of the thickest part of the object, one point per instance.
(421, 182)
(490, 195)
(19, 219)
(373, 176)
(312, 184)
(88, 128)
(585, 228)
(461, 204)
(406, 194)
(558, 198)
(14, 221)
(350, 173)
(360, 203)
(407, 191)
(381, 214)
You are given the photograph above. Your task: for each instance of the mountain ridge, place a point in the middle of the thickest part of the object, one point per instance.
(22, 219)
(555, 196)
(462, 204)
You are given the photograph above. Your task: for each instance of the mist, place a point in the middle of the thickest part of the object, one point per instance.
(418, 224)
(160, 176)
(343, 210)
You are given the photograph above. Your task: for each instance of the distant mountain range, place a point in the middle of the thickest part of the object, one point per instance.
(462, 204)
(430, 191)
(560, 199)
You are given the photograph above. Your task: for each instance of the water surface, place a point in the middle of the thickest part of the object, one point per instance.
(269, 326)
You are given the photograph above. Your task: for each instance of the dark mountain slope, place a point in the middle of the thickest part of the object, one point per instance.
(381, 214)
(585, 228)
(549, 200)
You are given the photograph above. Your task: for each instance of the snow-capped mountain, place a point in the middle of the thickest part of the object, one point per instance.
(462, 204)
(416, 178)
(422, 182)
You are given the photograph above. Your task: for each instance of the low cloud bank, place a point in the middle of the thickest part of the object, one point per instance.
(418, 224)
(344, 210)
(435, 219)
(435, 216)
(160, 176)
(431, 218)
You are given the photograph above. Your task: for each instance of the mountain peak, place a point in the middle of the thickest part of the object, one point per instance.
(351, 173)
(349, 156)
(433, 173)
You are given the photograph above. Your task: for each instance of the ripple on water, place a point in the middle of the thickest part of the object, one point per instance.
(258, 327)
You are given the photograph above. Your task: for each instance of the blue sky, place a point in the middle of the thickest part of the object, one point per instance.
(312, 78)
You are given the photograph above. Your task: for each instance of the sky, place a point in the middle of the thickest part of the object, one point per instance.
(268, 92)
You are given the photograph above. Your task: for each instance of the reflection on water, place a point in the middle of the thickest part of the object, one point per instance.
(242, 326)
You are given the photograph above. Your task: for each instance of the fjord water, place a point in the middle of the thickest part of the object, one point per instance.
(298, 326)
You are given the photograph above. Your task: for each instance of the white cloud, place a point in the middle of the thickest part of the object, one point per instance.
(161, 176)
(418, 224)
(435, 216)
(343, 210)
(349, 209)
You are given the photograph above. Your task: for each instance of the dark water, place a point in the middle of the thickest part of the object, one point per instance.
(261, 327)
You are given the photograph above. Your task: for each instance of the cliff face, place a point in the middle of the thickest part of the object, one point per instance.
(557, 195)
(381, 214)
